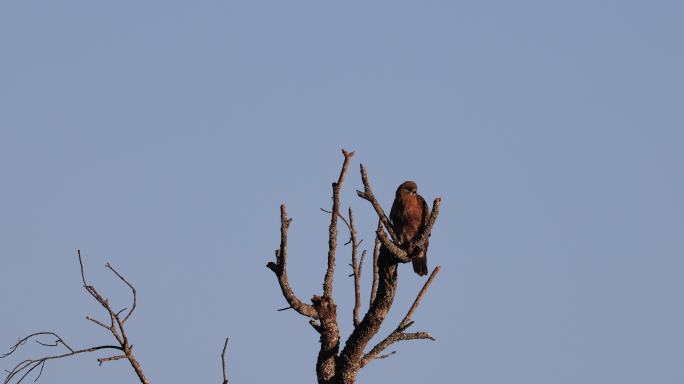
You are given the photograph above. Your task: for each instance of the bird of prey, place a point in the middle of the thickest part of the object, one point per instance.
(409, 217)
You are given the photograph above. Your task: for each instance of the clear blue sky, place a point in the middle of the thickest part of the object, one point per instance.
(161, 136)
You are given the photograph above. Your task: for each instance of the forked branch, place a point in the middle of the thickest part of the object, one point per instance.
(399, 334)
(115, 327)
(280, 269)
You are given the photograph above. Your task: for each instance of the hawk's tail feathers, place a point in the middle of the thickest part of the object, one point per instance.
(420, 265)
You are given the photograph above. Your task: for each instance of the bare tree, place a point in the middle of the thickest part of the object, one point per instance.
(122, 348)
(341, 367)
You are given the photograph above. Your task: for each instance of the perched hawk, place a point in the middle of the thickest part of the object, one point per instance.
(409, 217)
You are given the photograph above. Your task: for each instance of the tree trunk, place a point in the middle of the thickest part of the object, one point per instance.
(348, 365)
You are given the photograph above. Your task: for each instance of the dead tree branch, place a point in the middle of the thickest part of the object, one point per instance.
(25, 367)
(332, 235)
(399, 334)
(367, 194)
(356, 264)
(325, 305)
(376, 254)
(357, 288)
(356, 268)
(109, 266)
(111, 358)
(323, 311)
(280, 270)
(223, 361)
(115, 327)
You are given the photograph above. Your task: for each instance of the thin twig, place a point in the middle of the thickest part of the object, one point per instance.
(98, 323)
(27, 366)
(431, 222)
(223, 361)
(111, 358)
(129, 286)
(376, 254)
(360, 269)
(341, 216)
(23, 341)
(386, 355)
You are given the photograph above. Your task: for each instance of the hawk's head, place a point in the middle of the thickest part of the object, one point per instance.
(407, 188)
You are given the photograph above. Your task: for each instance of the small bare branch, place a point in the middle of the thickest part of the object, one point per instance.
(80, 261)
(420, 296)
(399, 334)
(376, 254)
(132, 291)
(47, 344)
(223, 361)
(416, 336)
(111, 358)
(431, 222)
(280, 269)
(367, 194)
(341, 216)
(363, 258)
(315, 324)
(25, 367)
(23, 341)
(386, 355)
(360, 269)
(332, 230)
(98, 323)
(356, 268)
(357, 288)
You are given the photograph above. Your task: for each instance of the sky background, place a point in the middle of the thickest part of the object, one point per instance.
(161, 136)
